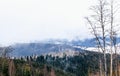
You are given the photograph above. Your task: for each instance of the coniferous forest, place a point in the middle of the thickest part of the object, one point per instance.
(85, 64)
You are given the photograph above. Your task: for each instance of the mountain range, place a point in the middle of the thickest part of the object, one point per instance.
(52, 45)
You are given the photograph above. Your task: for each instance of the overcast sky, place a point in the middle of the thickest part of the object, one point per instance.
(31, 20)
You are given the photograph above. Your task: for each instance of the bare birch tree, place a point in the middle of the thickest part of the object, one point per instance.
(102, 23)
(98, 22)
(113, 35)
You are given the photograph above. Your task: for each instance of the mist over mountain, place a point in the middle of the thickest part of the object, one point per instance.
(47, 46)
(39, 48)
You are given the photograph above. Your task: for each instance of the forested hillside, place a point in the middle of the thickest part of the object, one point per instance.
(9, 67)
(85, 64)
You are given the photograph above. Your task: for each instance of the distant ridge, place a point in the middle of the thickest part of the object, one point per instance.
(42, 47)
